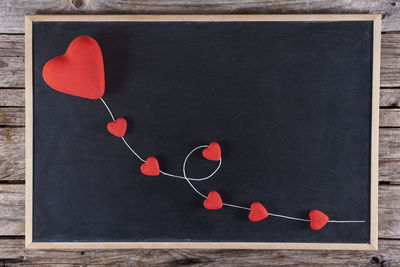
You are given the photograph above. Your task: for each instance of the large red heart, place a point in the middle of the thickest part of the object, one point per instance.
(150, 167)
(258, 212)
(318, 219)
(79, 72)
(212, 152)
(213, 201)
(117, 127)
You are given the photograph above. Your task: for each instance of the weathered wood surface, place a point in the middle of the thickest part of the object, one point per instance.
(12, 45)
(12, 60)
(12, 116)
(14, 253)
(12, 71)
(12, 66)
(12, 200)
(389, 118)
(12, 98)
(12, 250)
(390, 97)
(389, 208)
(12, 12)
(12, 154)
(390, 60)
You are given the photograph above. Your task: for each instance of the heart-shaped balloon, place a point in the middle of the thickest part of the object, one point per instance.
(79, 72)
(213, 201)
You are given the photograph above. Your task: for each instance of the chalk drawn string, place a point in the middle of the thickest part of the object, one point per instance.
(189, 179)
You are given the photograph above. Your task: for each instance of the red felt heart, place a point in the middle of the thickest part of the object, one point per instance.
(212, 152)
(318, 219)
(117, 127)
(79, 72)
(213, 201)
(150, 167)
(258, 212)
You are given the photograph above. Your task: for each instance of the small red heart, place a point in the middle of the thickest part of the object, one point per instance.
(212, 152)
(79, 72)
(117, 127)
(258, 212)
(213, 201)
(318, 219)
(150, 167)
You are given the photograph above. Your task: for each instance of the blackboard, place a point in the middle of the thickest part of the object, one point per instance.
(292, 101)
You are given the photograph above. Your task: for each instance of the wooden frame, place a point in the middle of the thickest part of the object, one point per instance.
(373, 245)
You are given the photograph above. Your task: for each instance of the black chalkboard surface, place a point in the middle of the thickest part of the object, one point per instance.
(292, 103)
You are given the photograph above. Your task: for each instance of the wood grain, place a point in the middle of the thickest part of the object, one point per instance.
(12, 154)
(390, 97)
(390, 60)
(12, 209)
(389, 170)
(11, 71)
(11, 60)
(12, 250)
(389, 142)
(12, 97)
(12, 12)
(389, 208)
(12, 116)
(389, 155)
(389, 118)
(12, 45)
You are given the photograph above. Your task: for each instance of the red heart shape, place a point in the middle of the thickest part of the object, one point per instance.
(79, 72)
(117, 127)
(258, 212)
(150, 167)
(213, 201)
(318, 219)
(212, 152)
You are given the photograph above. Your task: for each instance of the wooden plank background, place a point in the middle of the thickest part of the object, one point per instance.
(12, 250)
